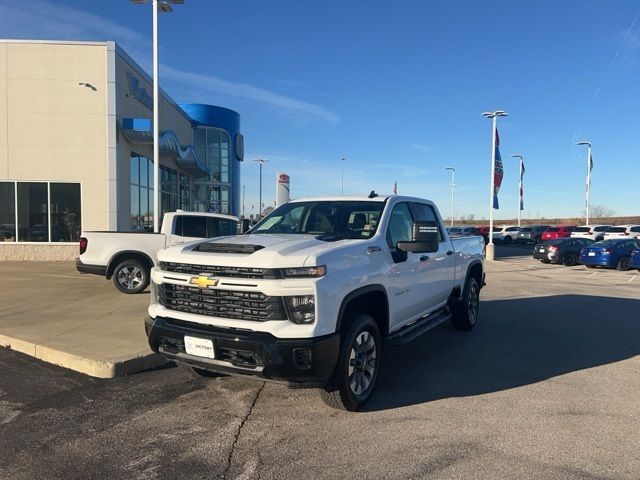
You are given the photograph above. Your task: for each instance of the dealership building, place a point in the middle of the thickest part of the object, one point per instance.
(76, 148)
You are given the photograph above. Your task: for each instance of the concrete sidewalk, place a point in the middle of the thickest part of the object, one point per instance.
(81, 322)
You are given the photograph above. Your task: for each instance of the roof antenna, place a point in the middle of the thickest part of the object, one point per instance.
(373, 194)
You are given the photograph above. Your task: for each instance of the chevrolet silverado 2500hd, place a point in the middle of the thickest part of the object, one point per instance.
(127, 257)
(310, 294)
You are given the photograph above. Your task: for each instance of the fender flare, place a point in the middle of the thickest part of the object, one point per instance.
(356, 293)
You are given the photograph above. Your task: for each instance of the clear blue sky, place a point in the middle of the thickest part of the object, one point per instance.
(398, 88)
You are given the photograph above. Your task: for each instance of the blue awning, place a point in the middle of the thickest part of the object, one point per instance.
(138, 131)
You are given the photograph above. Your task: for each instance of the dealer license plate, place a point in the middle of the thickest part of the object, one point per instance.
(592, 254)
(200, 347)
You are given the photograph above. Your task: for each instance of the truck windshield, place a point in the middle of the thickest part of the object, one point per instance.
(337, 219)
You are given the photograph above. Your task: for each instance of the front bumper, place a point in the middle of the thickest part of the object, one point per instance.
(303, 362)
(93, 269)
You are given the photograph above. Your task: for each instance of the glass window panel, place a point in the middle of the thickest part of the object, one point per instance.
(144, 172)
(7, 212)
(213, 137)
(33, 222)
(400, 225)
(150, 169)
(194, 226)
(148, 219)
(135, 169)
(224, 140)
(135, 207)
(66, 220)
(200, 136)
(217, 227)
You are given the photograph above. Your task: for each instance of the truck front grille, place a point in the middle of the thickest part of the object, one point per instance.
(253, 306)
(220, 271)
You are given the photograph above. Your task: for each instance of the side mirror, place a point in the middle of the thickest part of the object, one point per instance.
(426, 238)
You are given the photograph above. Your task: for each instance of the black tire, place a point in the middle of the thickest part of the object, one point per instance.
(464, 313)
(195, 372)
(544, 260)
(131, 276)
(341, 390)
(507, 239)
(591, 266)
(623, 264)
(570, 259)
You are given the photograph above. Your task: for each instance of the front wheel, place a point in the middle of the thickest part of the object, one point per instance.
(465, 312)
(507, 239)
(131, 276)
(358, 365)
(570, 259)
(623, 264)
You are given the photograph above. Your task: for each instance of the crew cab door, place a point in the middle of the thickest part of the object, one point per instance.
(437, 272)
(406, 296)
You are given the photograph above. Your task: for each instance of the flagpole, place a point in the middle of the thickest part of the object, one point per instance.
(520, 195)
(489, 251)
(588, 193)
(588, 180)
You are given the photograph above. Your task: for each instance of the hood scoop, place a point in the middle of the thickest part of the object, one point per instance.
(227, 248)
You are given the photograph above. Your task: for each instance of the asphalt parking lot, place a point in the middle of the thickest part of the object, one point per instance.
(545, 386)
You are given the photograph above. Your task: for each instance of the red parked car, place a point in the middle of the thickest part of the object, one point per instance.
(561, 231)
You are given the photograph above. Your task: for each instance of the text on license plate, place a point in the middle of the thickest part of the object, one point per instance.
(201, 347)
(592, 254)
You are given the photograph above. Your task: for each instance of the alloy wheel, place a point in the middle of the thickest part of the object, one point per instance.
(473, 302)
(130, 277)
(362, 363)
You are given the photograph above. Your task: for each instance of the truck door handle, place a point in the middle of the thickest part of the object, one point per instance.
(450, 252)
(424, 258)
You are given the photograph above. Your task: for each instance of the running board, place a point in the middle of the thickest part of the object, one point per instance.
(419, 327)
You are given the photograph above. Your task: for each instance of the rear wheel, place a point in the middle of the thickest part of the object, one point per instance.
(131, 276)
(464, 314)
(570, 259)
(623, 264)
(358, 365)
(507, 239)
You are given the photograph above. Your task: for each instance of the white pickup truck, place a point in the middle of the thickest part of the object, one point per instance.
(128, 257)
(310, 294)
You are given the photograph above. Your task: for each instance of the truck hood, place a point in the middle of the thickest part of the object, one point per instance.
(255, 250)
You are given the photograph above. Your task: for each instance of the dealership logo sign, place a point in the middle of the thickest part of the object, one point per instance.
(139, 92)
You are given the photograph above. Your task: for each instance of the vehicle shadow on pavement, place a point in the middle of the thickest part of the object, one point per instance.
(516, 342)
(510, 250)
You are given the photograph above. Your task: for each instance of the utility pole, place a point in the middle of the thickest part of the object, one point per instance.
(260, 161)
(520, 192)
(342, 177)
(588, 192)
(453, 193)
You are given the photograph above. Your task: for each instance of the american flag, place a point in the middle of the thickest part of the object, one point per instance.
(395, 188)
(498, 174)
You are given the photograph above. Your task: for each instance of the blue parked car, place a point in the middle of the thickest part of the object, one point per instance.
(635, 259)
(609, 253)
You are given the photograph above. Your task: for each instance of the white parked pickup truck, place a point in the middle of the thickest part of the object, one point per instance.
(311, 293)
(128, 257)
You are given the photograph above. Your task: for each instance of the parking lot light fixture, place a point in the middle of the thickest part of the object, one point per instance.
(260, 161)
(521, 158)
(588, 192)
(490, 253)
(162, 6)
(453, 193)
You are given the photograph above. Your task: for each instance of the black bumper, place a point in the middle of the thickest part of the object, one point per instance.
(303, 362)
(94, 269)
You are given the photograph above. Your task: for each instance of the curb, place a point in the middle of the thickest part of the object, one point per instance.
(99, 368)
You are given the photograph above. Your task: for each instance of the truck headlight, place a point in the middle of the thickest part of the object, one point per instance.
(301, 308)
(301, 272)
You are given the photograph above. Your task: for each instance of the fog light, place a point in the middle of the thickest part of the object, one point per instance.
(301, 308)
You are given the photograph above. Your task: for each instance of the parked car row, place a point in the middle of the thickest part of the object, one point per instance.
(619, 253)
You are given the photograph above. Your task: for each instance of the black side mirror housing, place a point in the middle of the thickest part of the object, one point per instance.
(426, 238)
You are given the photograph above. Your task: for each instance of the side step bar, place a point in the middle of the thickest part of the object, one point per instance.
(419, 327)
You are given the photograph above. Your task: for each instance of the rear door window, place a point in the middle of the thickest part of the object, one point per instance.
(191, 226)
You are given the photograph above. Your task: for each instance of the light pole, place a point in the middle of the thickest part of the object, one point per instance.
(163, 6)
(588, 193)
(260, 161)
(243, 191)
(517, 155)
(490, 253)
(342, 177)
(453, 193)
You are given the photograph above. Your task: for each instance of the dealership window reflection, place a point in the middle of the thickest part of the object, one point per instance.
(7, 212)
(211, 193)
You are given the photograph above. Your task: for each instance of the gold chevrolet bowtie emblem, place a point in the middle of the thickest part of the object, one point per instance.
(204, 281)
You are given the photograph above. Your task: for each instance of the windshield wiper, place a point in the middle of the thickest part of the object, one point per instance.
(333, 237)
